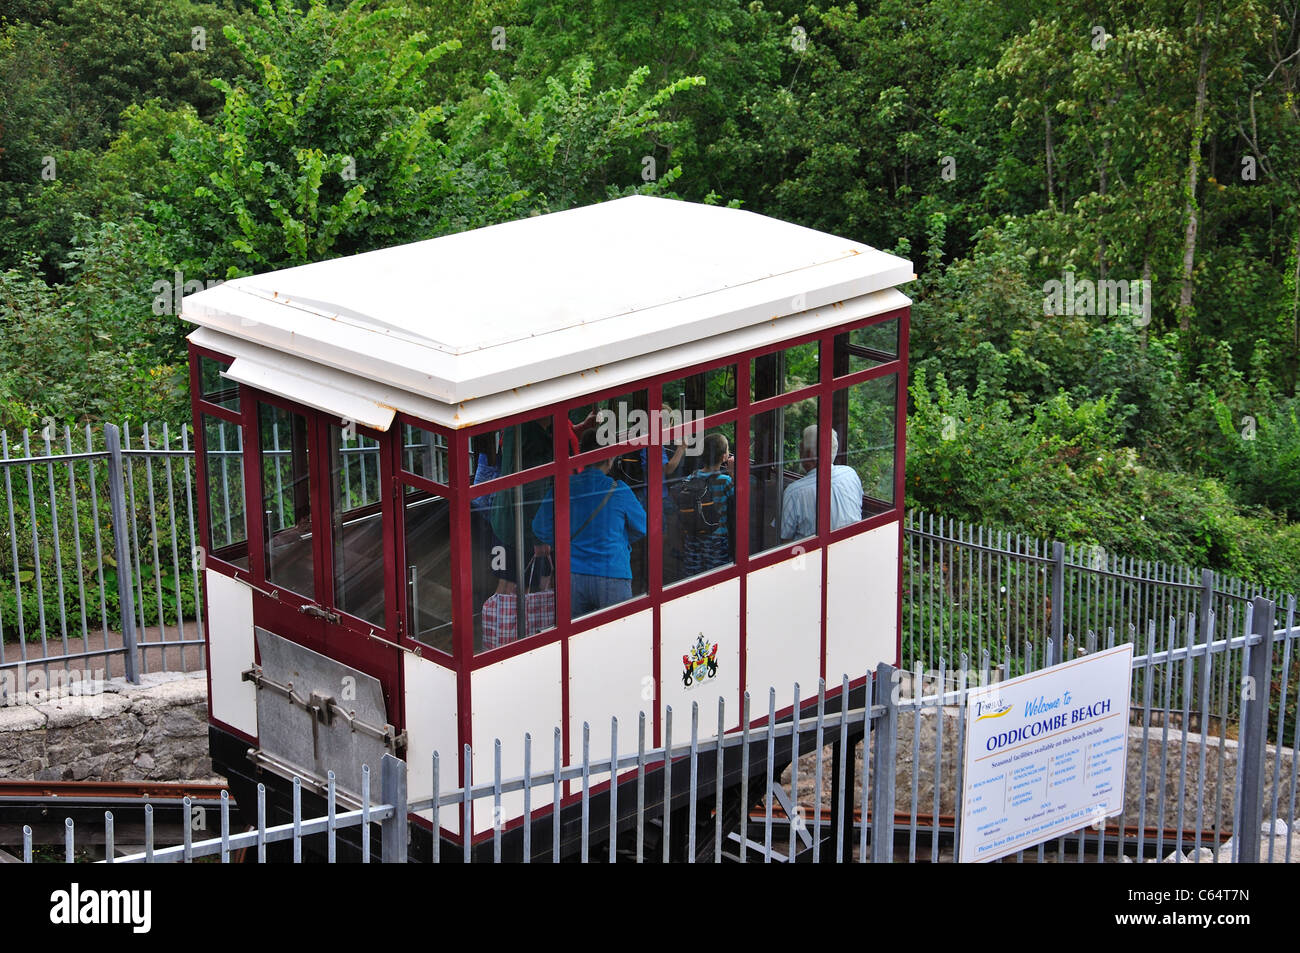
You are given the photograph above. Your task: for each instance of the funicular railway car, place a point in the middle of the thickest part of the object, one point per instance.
(540, 474)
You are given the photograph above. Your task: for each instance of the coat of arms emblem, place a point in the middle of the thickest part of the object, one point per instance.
(701, 662)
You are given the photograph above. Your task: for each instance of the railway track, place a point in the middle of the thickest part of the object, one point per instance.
(47, 806)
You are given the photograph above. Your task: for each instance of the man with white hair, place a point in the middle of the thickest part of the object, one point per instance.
(799, 506)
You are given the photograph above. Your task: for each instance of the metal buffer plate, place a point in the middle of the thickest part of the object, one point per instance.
(319, 715)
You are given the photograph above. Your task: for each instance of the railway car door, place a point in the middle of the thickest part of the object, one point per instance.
(327, 539)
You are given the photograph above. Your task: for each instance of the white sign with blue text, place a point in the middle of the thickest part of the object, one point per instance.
(1045, 754)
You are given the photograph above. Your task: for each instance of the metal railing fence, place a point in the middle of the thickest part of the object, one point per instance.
(98, 568)
(1223, 794)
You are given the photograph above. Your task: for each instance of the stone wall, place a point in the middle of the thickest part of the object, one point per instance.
(155, 731)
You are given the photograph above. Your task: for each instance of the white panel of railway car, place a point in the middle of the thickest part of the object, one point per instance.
(430, 693)
(611, 673)
(861, 603)
(230, 652)
(715, 614)
(783, 612)
(517, 695)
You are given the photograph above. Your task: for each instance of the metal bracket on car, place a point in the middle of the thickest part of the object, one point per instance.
(318, 612)
(323, 709)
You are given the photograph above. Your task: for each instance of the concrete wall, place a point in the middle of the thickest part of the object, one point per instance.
(155, 731)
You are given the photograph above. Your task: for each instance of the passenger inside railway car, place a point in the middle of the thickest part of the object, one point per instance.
(799, 507)
(605, 521)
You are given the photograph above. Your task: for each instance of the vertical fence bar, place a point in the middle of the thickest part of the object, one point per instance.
(668, 779)
(586, 789)
(767, 778)
(395, 833)
(557, 760)
(744, 777)
(331, 818)
(882, 812)
(99, 543)
(1281, 732)
(36, 549)
(1255, 738)
(365, 812)
(528, 798)
(27, 844)
(225, 824)
(613, 789)
(297, 820)
(1058, 592)
(76, 540)
(938, 762)
(693, 786)
(109, 849)
(121, 551)
(261, 823)
(148, 833)
(868, 776)
(69, 853)
(13, 547)
(176, 557)
(467, 804)
(717, 782)
(496, 799)
(640, 789)
(187, 825)
(1207, 668)
(153, 543)
(132, 520)
(194, 543)
(841, 771)
(796, 812)
(819, 747)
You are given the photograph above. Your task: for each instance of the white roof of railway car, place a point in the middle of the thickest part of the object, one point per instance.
(529, 312)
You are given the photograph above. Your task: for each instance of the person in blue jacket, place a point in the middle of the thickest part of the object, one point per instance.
(604, 518)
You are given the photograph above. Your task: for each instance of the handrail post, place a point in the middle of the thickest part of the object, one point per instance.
(1255, 697)
(394, 832)
(883, 766)
(122, 550)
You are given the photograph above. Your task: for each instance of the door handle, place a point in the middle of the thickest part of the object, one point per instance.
(320, 613)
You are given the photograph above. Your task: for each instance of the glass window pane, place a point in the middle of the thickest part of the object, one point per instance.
(286, 500)
(214, 388)
(517, 447)
(866, 428)
(223, 455)
(862, 348)
(783, 478)
(709, 392)
(502, 529)
(784, 371)
(357, 525)
(427, 522)
(424, 453)
(615, 419)
(699, 508)
(607, 538)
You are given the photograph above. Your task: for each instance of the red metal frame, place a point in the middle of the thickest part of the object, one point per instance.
(372, 656)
